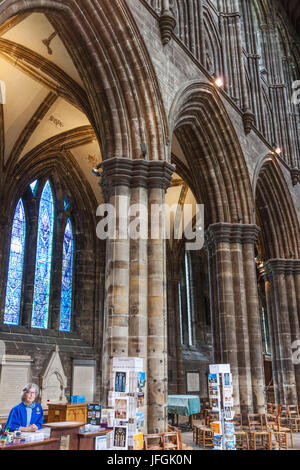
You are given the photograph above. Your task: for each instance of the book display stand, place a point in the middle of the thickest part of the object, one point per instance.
(127, 398)
(221, 401)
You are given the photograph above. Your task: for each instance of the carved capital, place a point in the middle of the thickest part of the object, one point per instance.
(167, 23)
(135, 173)
(231, 233)
(248, 120)
(295, 174)
(276, 267)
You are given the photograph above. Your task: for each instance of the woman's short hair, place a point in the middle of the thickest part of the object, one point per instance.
(27, 388)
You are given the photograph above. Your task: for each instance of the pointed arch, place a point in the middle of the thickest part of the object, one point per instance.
(15, 267)
(43, 263)
(220, 174)
(275, 212)
(113, 62)
(67, 279)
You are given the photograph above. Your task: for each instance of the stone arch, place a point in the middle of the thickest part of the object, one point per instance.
(212, 148)
(115, 68)
(66, 177)
(276, 212)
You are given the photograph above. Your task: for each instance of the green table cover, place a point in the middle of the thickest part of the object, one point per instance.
(183, 405)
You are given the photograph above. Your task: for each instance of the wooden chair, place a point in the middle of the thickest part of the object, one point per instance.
(197, 434)
(174, 429)
(153, 442)
(170, 441)
(241, 436)
(257, 431)
(294, 417)
(284, 423)
(273, 427)
(270, 408)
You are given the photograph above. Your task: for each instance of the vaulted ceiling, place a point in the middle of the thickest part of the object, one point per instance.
(46, 104)
(293, 9)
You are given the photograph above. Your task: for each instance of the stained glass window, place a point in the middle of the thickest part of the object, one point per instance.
(66, 286)
(15, 267)
(40, 309)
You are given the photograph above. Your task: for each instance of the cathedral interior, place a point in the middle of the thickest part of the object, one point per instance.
(159, 102)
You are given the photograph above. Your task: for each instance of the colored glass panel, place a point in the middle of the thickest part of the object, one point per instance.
(33, 186)
(40, 309)
(66, 203)
(67, 276)
(15, 267)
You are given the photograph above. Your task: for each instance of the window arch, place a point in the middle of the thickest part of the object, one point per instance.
(186, 302)
(43, 264)
(15, 267)
(67, 278)
(41, 259)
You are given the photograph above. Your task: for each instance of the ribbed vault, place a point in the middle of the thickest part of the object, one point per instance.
(219, 172)
(276, 214)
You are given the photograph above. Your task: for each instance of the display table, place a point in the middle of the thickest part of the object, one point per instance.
(46, 444)
(87, 439)
(183, 405)
(67, 432)
(67, 412)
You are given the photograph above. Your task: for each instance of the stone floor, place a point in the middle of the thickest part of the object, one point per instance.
(187, 437)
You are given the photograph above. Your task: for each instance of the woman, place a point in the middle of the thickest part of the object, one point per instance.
(28, 415)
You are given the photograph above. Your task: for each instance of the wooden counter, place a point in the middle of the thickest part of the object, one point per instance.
(87, 439)
(67, 432)
(46, 444)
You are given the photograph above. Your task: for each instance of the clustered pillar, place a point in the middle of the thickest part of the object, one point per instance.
(283, 302)
(135, 290)
(235, 311)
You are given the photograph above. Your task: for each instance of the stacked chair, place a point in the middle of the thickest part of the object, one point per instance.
(164, 441)
(263, 431)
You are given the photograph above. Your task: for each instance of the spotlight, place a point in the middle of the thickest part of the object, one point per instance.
(218, 81)
(277, 149)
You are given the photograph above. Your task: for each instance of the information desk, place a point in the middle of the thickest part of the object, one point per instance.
(46, 444)
(87, 439)
(183, 405)
(67, 432)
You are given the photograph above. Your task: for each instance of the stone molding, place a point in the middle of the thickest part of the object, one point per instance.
(282, 266)
(295, 174)
(231, 233)
(135, 173)
(167, 23)
(248, 120)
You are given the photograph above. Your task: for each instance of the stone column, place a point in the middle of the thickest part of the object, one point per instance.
(160, 175)
(135, 289)
(282, 280)
(174, 328)
(235, 311)
(117, 176)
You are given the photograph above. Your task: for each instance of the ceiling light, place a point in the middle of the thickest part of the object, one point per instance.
(218, 81)
(277, 149)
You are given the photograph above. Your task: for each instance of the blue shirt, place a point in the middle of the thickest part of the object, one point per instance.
(19, 416)
(29, 413)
